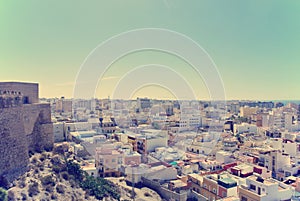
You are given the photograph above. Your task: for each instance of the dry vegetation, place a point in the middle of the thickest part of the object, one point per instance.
(48, 179)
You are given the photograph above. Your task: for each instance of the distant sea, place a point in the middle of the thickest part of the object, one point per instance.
(287, 101)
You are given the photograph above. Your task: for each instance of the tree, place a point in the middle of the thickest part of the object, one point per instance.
(33, 189)
(3, 182)
(97, 187)
(75, 170)
(3, 194)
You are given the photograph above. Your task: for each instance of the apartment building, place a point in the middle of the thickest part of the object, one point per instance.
(108, 161)
(218, 186)
(244, 128)
(248, 111)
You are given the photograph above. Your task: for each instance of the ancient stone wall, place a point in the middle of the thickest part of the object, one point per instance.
(10, 101)
(38, 126)
(29, 90)
(25, 126)
(13, 144)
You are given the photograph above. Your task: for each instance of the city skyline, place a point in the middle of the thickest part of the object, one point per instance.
(254, 45)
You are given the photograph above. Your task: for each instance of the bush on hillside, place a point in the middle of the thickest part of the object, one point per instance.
(33, 189)
(3, 194)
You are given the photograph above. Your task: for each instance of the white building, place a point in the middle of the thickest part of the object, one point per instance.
(77, 126)
(244, 128)
(260, 189)
(160, 172)
(286, 146)
(204, 143)
(248, 111)
(108, 161)
(275, 160)
(58, 132)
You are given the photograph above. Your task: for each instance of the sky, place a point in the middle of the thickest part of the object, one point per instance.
(254, 45)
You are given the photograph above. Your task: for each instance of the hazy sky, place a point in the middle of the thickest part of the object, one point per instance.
(254, 44)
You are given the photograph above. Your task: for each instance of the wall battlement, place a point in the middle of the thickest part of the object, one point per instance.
(7, 101)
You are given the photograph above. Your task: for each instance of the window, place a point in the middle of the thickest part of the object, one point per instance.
(252, 187)
(244, 199)
(25, 100)
(287, 174)
(258, 191)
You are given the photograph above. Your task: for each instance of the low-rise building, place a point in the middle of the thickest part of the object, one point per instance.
(58, 132)
(257, 188)
(244, 128)
(108, 161)
(148, 140)
(90, 168)
(218, 186)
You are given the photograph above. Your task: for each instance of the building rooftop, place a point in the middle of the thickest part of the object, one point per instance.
(196, 176)
(88, 167)
(268, 182)
(231, 198)
(83, 134)
(227, 180)
(107, 151)
(178, 183)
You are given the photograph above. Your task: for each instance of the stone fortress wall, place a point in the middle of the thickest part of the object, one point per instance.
(29, 91)
(13, 146)
(25, 126)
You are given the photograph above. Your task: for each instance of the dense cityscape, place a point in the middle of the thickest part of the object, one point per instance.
(146, 100)
(153, 149)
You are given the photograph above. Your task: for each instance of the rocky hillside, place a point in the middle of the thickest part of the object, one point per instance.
(53, 176)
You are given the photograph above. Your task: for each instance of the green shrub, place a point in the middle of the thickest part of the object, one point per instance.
(49, 188)
(65, 175)
(36, 171)
(3, 194)
(74, 169)
(54, 197)
(33, 189)
(3, 182)
(56, 169)
(22, 183)
(24, 196)
(42, 158)
(147, 194)
(47, 180)
(34, 160)
(60, 189)
(56, 160)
